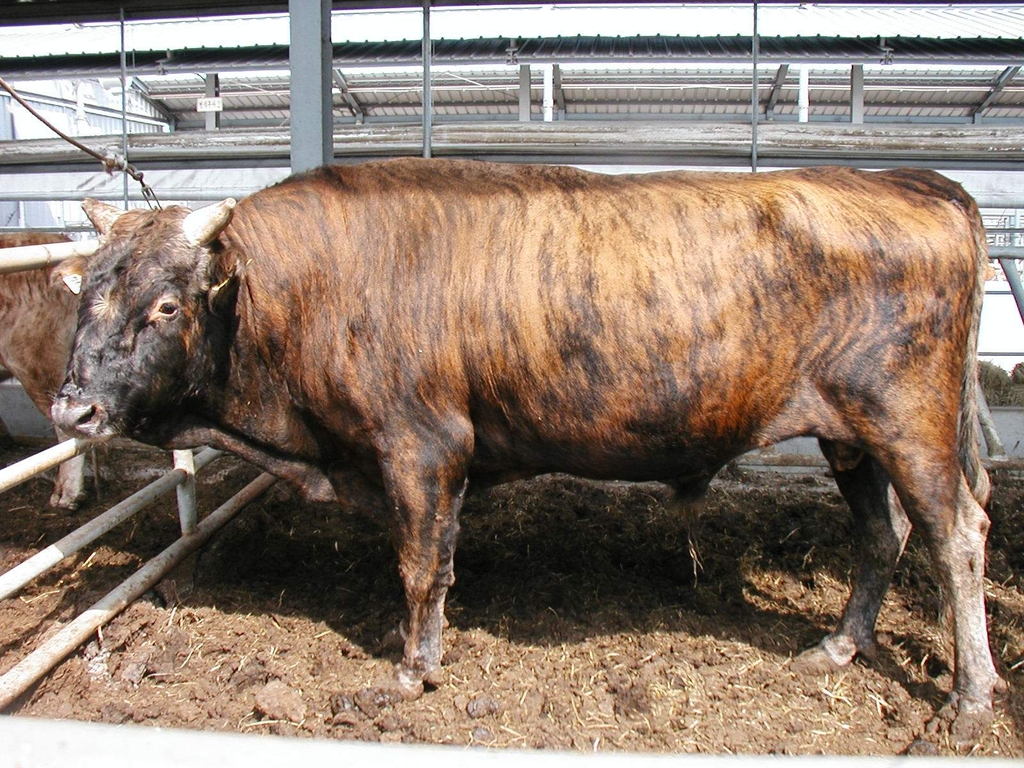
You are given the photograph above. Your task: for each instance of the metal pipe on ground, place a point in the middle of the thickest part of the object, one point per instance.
(30, 669)
(994, 444)
(21, 471)
(23, 573)
(801, 461)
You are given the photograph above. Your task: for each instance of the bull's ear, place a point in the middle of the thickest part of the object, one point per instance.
(223, 284)
(100, 214)
(70, 273)
(221, 297)
(202, 227)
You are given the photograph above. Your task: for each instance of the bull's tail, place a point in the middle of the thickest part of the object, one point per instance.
(967, 438)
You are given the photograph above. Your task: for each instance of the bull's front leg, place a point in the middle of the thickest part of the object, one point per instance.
(425, 486)
(69, 488)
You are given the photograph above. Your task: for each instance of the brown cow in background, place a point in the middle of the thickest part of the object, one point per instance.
(434, 323)
(37, 328)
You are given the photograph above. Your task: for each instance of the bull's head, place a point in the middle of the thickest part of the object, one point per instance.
(148, 327)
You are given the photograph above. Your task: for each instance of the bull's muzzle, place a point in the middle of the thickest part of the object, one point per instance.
(82, 416)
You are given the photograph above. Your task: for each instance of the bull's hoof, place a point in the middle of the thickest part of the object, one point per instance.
(831, 654)
(435, 677)
(815, 661)
(965, 719)
(412, 682)
(69, 503)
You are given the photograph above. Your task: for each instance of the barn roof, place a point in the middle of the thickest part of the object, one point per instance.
(955, 63)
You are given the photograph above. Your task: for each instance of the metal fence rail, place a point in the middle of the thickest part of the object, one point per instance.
(39, 563)
(23, 675)
(37, 256)
(28, 468)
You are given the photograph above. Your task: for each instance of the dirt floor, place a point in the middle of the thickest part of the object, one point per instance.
(580, 620)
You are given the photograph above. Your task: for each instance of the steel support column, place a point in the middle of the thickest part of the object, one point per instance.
(524, 93)
(556, 75)
(857, 94)
(212, 90)
(428, 94)
(309, 56)
(804, 97)
(755, 92)
(549, 93)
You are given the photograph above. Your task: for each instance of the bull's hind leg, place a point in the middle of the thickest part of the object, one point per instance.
(955, 528)
(938, 501)
(880, 530)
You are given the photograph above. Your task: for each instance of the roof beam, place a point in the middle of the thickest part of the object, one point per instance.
(508, 110)
(142, 90)
(347, 97)
(668, 143)
(1004, 79)
(773, 95)
(735, 50)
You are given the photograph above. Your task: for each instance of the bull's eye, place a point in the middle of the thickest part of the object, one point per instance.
(167, 309)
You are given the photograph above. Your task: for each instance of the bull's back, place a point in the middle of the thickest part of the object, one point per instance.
(657, 323)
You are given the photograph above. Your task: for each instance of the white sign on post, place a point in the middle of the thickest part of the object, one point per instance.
(210, 104)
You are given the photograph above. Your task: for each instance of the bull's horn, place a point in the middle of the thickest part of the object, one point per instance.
(102, 215)
(35, 256)
(202, 227)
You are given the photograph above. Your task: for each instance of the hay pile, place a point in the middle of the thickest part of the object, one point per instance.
(1002, 388)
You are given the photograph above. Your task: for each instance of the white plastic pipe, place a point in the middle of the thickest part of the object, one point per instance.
(22, 574)
(549, 92)
(36, 256)
(26, 672)
(804, 96)
(188, 514)
(21, 471)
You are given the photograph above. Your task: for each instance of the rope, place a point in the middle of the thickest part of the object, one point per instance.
(111, 162)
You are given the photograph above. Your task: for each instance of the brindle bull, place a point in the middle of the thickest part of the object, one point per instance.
(434, 322)
(37, 329)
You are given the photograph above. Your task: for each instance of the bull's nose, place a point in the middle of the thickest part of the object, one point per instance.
(82, 416)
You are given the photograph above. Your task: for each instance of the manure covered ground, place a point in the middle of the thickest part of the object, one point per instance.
(586, 616)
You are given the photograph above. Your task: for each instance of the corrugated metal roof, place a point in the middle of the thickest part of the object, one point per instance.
(628, 89)
(937, 20)
(536, 50)
(697, 75)
(895, 19)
